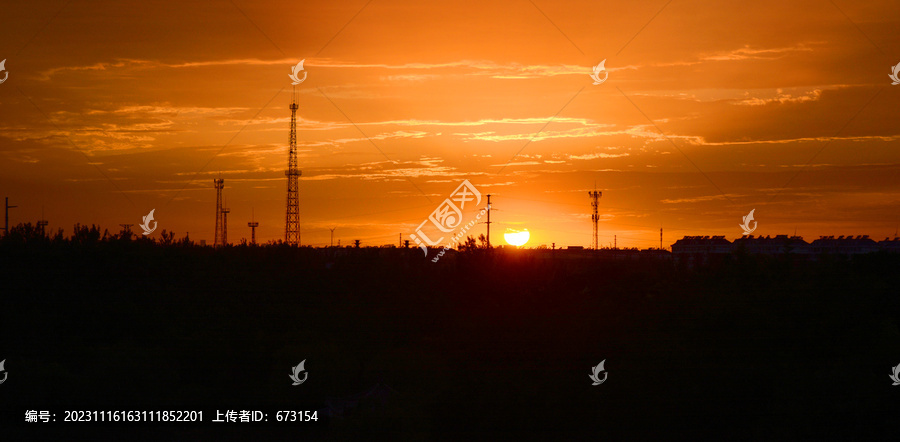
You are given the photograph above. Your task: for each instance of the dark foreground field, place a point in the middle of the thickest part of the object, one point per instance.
(477, 346)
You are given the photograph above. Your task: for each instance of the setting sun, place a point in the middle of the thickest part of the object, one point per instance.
(516, 238)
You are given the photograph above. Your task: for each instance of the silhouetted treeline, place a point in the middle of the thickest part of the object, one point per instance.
(483, 345)
(33, 236)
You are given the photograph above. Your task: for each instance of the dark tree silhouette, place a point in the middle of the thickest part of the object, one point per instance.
(166, 238)
(87, 235)
(760, 347)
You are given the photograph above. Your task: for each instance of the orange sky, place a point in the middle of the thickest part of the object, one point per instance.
(711, 109)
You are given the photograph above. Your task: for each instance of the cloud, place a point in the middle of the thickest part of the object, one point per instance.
(748, 53)
(698, 199)
(462, 67)
(593, 156)
(780, 98)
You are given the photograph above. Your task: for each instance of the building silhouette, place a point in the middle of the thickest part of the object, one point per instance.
(703, 247)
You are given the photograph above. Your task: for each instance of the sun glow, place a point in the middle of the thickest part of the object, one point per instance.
(516, 237)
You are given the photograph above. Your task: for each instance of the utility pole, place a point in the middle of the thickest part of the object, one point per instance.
(489, 222)
(660, 238)
(6, 218)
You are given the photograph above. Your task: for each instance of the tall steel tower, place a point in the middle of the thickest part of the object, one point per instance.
(220, 184)
(292, 218)
(595, 203)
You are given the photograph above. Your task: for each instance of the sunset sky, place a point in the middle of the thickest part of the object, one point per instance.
(711, 109)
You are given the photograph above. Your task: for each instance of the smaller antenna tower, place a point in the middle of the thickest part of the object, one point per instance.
(225, 213)
(42, 222)
(253, 225)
